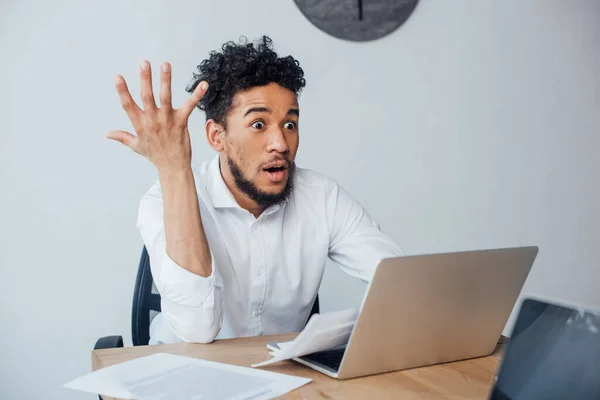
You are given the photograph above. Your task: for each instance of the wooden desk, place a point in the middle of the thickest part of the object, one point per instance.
(469, 379)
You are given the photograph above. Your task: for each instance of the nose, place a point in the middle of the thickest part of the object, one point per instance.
(277, 141)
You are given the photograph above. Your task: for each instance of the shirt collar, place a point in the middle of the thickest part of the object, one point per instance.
(219, 193)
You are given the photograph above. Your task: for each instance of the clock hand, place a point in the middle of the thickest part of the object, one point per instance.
(360, 10)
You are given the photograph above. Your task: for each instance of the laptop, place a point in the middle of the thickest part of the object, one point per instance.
(553, 353)
(429, 309)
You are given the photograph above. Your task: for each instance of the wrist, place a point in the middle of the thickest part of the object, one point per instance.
(166, 174)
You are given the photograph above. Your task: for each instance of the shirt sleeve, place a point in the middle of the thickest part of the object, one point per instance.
(191, 304)
(356, 244)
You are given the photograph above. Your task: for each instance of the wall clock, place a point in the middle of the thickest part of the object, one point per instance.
(357, 20)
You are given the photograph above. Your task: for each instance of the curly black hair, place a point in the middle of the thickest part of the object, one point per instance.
(241, 66)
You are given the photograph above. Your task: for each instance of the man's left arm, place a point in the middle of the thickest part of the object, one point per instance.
(356, 244)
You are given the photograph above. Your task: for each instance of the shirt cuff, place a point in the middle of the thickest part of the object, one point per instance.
(184, 287)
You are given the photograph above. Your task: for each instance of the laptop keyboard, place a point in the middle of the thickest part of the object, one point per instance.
(330, 358)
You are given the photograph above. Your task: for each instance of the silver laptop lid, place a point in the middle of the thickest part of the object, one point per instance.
(429, 309)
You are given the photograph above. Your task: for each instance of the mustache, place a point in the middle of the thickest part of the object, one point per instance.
(277, 162)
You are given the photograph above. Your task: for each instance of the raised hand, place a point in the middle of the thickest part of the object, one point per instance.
(162, 134)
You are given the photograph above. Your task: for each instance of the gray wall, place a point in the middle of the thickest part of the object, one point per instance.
(475, 125)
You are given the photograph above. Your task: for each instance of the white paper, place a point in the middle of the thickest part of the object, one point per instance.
(322, 332)
(166, 376)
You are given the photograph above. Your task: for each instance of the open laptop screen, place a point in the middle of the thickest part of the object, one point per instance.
(554, 353)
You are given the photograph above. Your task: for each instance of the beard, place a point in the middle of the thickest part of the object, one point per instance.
(260, 197)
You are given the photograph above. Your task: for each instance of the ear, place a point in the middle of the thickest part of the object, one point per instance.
(214, 132)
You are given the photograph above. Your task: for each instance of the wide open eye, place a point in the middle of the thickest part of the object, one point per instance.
(258, 125)
(290, 125)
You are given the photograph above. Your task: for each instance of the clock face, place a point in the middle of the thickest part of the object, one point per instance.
(357, 20)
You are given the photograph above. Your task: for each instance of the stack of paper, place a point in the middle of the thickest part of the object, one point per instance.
(323, 332)
(170, 377)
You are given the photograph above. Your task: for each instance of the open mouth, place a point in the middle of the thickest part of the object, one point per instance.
(275, 174)
(275, 169)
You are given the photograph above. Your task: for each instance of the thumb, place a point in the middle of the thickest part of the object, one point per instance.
(123, 137)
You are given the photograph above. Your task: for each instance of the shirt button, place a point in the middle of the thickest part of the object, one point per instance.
(255, 313)
(258, 273)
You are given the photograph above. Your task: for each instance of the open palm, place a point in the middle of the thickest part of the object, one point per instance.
(161, 134)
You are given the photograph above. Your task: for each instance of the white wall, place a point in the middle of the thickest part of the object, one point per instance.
(475, 125)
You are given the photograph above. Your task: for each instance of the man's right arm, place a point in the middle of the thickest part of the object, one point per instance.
(170, 221)
(170, 224)
(186, 240)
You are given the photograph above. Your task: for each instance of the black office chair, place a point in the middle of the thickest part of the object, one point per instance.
(146, 306)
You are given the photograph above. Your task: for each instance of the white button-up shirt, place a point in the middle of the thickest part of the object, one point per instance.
(266, 271)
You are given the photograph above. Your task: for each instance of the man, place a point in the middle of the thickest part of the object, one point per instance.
(238, 245)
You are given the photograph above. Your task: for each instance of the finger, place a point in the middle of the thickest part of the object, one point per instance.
(127, 102)
(123, 137)
(146, 84)
(165, 86)
(192, 102)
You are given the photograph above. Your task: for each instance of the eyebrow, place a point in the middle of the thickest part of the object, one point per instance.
(256, 110)
(291, 111)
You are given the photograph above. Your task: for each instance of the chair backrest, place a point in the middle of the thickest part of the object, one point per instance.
(146, 302)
